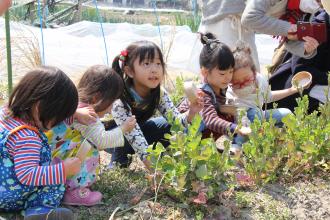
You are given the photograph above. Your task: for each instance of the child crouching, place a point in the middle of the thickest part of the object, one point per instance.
(29, 182)
(99, 87)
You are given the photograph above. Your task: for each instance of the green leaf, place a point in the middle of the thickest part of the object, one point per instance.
(181, 168)
(201, 172)
(168, 136)
(194, 127)
(159, 149)
(178, 153)
(309, 148)
(167, 163)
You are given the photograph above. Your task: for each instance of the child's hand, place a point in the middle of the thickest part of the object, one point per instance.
(296, 88)
(129, 124)
(196, 106)
(244, 131)
(85, 115)
(72, 166)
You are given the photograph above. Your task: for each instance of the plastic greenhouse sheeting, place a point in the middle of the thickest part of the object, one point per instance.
(75, 47)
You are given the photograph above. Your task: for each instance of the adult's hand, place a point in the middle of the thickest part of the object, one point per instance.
(310, 44)
(292, 32)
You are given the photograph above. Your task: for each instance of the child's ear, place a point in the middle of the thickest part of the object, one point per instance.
(35, 110)
(35, 113)
(128, 71)
(95, 98)
(204, 72)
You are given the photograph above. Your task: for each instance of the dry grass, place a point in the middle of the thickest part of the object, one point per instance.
(25, 53)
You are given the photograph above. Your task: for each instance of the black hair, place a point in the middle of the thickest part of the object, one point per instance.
(49, 87)
(101, 82)
(140, 50)
(215, 54)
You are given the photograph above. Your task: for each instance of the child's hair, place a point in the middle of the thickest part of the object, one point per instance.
(215, 54)
(242, 56)
(49, 87)
(140, 50)
(100, 82)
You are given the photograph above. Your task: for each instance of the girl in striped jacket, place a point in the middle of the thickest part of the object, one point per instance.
(217, 67)
(29, 182)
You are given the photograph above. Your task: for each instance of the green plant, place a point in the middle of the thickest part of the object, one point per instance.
(307, 139)
(300, 147)
(189, 20)
(193, 170)
(178, 92)
(263, 151)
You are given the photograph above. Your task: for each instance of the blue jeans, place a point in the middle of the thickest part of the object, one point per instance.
(277, 114)
(252, 113)
(153, 130)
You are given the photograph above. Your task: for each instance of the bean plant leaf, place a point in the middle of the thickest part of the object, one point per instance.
(201, 172)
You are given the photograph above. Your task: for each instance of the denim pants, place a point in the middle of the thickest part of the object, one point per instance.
(153, 130)
(277, 114)
(252, 113)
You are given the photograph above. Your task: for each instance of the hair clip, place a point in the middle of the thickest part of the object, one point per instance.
(206, 39)
(123, 55)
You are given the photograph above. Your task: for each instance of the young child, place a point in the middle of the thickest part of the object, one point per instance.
(250, 90)
(142, 67)
(217, 63)
(43, 98)
(99, 87)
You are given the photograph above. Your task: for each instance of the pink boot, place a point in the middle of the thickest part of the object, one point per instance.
(82, 196)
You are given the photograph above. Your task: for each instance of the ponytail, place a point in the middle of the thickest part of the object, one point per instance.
(215, 54)
(207, 38)
(116, 66)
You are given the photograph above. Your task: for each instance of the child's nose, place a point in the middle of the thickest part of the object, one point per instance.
(228, 78)
(154, 68)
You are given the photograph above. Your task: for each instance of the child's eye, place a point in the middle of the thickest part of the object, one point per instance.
(146, 64)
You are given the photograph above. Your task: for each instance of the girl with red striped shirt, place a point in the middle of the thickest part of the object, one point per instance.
(29, 182)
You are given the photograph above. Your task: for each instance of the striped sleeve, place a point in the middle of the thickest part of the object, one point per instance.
(211, 118)
(184, 106)
(27, 159)
(101, 138)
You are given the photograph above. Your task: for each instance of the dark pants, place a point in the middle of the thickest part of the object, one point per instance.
(153, 130)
